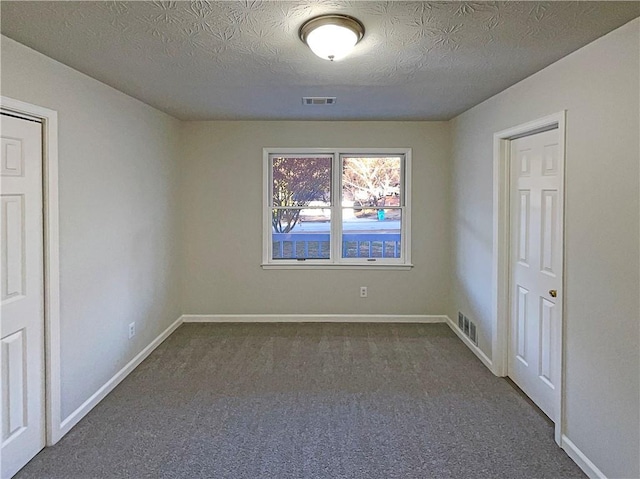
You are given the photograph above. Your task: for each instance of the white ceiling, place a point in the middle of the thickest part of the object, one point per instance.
(243, 59)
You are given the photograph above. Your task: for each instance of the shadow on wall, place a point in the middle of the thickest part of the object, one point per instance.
(474, 293)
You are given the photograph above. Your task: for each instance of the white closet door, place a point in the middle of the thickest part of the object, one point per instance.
(535, 265)
(22, 286)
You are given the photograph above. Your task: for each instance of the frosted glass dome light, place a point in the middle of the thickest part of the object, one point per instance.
(332, 42)
(332, 37)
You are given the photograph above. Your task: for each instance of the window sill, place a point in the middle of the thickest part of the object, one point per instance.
(302, 265)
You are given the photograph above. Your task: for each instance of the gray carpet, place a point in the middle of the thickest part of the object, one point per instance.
(280, 401)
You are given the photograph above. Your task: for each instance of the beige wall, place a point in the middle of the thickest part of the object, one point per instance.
(222, 228)
(599, 87)
(118, 213)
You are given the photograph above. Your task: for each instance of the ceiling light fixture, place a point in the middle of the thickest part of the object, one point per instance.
(332, 37)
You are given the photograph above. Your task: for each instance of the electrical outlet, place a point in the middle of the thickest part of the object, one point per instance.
(132, 330)
(363, 291)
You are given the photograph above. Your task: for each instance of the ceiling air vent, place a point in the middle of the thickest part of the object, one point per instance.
(318, 100)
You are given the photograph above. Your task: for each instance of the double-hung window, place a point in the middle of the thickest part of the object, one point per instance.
(337, 208)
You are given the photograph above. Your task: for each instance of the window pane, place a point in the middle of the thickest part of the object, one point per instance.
(300, 233)
(371, 182)
(371, 232)
(301, 181)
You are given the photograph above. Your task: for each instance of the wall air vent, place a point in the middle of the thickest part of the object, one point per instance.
(468, 328)
(318, 100)
(473, 335)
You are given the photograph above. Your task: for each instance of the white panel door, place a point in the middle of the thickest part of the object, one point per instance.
(21, 283)
(536, 266)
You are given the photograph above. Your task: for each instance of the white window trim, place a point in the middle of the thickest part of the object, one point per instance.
(337, 262)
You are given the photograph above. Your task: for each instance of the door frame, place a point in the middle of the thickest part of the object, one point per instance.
(49, 119)
(501, 249)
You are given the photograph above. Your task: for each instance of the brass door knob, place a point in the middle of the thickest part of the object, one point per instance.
(553, 293)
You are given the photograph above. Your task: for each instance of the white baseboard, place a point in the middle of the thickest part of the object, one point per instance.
(311, 318)
(475, 349)
(588, 467)
(101, 393)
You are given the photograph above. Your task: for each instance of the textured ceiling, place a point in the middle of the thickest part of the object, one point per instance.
(243, 59)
